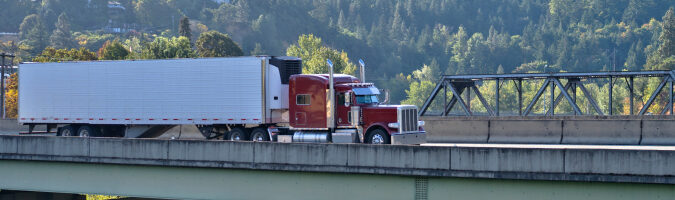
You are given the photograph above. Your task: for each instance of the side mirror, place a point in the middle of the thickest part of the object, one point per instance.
(348, 98)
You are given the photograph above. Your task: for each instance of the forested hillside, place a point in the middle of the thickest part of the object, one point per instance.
(394, 37)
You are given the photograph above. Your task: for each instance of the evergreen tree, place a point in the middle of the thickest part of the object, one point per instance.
(667, 38)
(32, 34)
(61, 37)
(184, 28)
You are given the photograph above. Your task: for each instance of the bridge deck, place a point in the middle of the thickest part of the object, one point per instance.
(528, 162)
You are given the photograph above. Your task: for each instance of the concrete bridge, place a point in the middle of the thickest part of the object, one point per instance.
(197, 169)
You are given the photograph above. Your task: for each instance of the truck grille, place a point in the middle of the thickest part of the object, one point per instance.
(407, 119)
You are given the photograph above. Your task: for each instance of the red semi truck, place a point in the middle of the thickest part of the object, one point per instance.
(264, 98)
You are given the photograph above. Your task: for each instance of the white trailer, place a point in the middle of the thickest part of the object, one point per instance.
(144, 98)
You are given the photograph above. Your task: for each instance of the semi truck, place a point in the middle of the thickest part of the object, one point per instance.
(258, 98)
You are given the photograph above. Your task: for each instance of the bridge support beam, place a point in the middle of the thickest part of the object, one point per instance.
(206, 183)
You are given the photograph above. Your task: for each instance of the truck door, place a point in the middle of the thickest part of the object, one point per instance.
(342, 110)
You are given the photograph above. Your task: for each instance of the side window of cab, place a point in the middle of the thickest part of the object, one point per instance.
(341, 99)
(302, 99)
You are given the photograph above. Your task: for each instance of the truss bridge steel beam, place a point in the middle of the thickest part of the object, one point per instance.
(461, 87)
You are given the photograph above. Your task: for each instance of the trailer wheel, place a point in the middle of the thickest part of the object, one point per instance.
(238, 134)
(67, 130)
(259, 134)
(87, 131)
(378, 136)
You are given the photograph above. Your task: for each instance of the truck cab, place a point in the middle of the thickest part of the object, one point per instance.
(359, 114)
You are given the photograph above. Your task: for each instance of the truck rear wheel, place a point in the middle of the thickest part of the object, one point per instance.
(87, 131)
(238, 134)
(67, 130)
(378, 136)
(259, 134)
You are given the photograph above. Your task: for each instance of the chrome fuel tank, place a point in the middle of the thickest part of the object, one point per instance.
(311, 136)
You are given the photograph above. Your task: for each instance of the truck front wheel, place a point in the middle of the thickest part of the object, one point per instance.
(237, 134)
(378, 136)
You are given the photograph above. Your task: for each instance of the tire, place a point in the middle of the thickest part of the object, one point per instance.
(259, 135)
(378, 136)
(238, 134)
(67, 131)
(88, 131)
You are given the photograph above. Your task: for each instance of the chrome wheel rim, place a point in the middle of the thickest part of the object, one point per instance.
(66, 132)
(377, 139)
(84, 133)
(258, 137)
(236, 137)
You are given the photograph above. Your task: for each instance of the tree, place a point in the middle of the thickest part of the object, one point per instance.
(664, 56)
(113, 51)
(184, 28)
(12, 96)
(162, 47)
(313, 54)
(216, 44)
(667, 38)
(422, 83)
(156, 13)
(51, 54)
(32, 33)
(61, 37)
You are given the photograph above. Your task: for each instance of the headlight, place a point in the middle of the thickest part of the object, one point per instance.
(420, 123)
(393, 125)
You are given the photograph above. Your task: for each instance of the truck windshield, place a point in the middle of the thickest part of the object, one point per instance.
(366, 99)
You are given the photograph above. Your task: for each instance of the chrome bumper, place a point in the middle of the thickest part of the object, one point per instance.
(409, 138)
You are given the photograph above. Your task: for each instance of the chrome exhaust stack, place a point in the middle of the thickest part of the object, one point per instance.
(362, 70)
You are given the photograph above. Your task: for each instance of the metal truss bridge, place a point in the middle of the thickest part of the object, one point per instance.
(462, 85)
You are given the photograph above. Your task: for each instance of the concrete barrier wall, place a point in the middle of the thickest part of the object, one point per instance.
(468, 131)
(532, 163)
(525, 131)
(8, 126)
(601, 132)
(616, 130)
(658, 132)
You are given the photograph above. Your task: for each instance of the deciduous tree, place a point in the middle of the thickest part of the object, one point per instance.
(113, 50)
(216, 44)
(314, 54)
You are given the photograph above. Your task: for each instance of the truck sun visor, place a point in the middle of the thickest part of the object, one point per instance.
(366, 91)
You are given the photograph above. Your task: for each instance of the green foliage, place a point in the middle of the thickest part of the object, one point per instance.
(92, 41)
(184, 28)
(62, 38)
(113, 51)
(32, 33)
(156, 13)
(314, 54)
(216, 44)
(57, 55)
(397, 37)
(423, 82)
(162, 48)
(418, 92)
